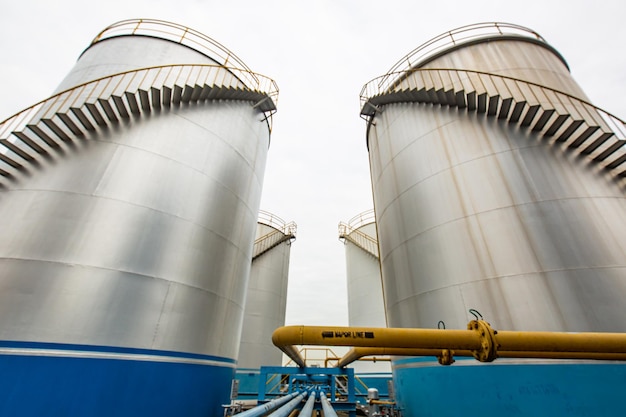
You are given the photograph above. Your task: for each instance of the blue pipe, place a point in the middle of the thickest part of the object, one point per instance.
(286, 409)
(329, 411)
(269, 406)
(307, 410)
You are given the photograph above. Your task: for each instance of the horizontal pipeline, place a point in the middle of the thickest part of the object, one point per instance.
(483, 342)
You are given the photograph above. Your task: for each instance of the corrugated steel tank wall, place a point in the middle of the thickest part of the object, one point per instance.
(137, 239)
(266, 304)
(476, 214)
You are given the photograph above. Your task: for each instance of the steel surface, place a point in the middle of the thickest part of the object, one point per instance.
(135, 237)
(266, 303)
(475, 212)
(365, 293)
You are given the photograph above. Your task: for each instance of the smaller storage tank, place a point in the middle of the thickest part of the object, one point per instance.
(266, 300)
(366, 307)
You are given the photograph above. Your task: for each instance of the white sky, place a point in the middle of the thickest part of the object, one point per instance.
(320, 53)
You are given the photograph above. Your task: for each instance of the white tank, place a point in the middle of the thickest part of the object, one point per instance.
(497, 187)
(266, 299)
(128, 228)
(366, 306)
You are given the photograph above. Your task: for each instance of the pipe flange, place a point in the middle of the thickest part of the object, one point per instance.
(488, 347)
(446, 357)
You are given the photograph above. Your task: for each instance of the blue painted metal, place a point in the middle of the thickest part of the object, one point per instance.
(248, 383)
(329, 411)
(286, 409)
(318, 378)
(467, 388)
(50, 379)
(263, 409)
(378, 380)
(307, 410)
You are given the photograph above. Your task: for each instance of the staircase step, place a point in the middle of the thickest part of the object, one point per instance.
(596, 143)
(155, 95)
(56, 129)
(144, 100)
(442, 98)
(167, 96)
(187, 92)
(461, 103)
(13, 147)
(95, 113)
(611, 149)
(120, 106)
(131, 99)
(482, 103)
(617, 161)
(41, 134)
(505, 108)
(177, 95)
(492, 107)
(530, 115)
(108, 110)
(10, 161)
(197, 90)
(543, 119)
(30, 142)
(581, 137)
(517, 112)
(67, 121)
(5, 174)
(556, 124)
(82, 118)
(471, 100)
(573, 126)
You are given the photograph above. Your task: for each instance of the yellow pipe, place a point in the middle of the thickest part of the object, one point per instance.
(357, 353)
(360, 353)
(374, 337)
(480, 341)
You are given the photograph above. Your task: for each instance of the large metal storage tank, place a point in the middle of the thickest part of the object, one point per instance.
(498, 187)
(266, 299)
(128, 210)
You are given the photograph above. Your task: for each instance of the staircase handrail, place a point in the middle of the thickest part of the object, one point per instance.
(161, 72)
(361, 219)
(269, 219)
(360, 239)
(463, 34)
(372, 89)
(179, 34)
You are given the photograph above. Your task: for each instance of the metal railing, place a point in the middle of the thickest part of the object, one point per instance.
(134, 80)
(573, 121)
(463, 34)
(277, 223)
(360, 239)
(142, 89)
(366, 217)
(179, 34)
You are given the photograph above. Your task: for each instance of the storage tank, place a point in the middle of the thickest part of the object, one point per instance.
(498, 187)
(128, 213)
(366, 307)
(266, 300)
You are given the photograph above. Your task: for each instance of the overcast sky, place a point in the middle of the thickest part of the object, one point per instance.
(320, 53)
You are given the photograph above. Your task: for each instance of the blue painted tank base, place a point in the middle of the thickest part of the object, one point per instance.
(36, 385)
(425, 389)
